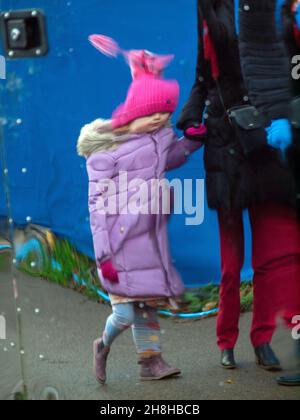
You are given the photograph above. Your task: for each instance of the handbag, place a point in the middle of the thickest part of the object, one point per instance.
(248, 126)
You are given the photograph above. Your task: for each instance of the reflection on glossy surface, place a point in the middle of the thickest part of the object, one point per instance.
(12, 373)
(10, 367)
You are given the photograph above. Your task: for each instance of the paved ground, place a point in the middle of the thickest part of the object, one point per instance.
(60, 325)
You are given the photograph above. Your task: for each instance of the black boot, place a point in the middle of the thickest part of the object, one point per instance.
(292, 380)
(298, 351)
(266, 358)
(227, 360)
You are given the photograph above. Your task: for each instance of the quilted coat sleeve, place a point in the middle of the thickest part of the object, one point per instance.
(180, 151)
(264, 59)
(192, 111)
(100, 167)
(219, 16)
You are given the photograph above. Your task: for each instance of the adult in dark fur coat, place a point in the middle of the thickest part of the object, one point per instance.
(259, 181)
(276, 36)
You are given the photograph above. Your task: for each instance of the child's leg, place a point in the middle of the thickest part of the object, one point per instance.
(147, 337)
(146, 331)
(120, 320)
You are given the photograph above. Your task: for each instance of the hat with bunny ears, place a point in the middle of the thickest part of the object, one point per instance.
(149, 92)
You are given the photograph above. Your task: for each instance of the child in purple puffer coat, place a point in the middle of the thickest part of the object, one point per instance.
(131, 152)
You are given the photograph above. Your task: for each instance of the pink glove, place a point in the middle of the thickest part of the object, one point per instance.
(196, 132)
(109, 272)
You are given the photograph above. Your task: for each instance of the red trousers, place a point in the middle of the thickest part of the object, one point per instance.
(276, 264)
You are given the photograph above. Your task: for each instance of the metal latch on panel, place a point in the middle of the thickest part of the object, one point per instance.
(24, 33)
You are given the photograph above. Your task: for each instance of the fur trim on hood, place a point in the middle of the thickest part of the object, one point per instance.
(98, 136)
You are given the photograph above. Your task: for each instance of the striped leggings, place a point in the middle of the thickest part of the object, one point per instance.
(144, 323)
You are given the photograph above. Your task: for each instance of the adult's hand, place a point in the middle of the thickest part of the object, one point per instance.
(279, 135)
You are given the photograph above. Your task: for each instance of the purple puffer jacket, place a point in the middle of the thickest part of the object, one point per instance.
(136, 244)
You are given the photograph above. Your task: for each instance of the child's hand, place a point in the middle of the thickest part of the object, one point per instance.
(109, 272)
(196, 133)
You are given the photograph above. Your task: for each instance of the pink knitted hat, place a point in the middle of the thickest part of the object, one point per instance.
(149, 93)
